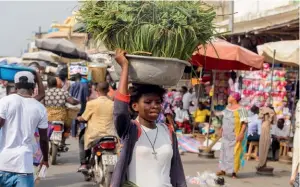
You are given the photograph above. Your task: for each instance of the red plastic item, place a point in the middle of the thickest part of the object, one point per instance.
(108, 145)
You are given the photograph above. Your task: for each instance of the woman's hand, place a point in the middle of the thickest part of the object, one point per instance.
(240, 138)
(120, 58)
(123, 62)
(292, 180)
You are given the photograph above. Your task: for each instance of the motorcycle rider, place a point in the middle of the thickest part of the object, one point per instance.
(99, 117)
(55, 103)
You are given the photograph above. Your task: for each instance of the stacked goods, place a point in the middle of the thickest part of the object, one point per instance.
(221, 89)
(158, 28)
(257, 88)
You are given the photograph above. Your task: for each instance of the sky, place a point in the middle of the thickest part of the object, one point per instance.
(19, 20)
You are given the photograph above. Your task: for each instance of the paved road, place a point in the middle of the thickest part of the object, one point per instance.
(65, 175)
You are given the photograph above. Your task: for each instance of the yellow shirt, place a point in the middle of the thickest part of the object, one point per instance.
(99, 116)
(200, 115)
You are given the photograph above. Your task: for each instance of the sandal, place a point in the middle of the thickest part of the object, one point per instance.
(221, 173)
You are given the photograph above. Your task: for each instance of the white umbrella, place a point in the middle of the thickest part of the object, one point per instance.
(287, 52)
(41, 56)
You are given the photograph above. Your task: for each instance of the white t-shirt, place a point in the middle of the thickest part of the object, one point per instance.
(284, 132)
(146, 170)
(22, 117)
(181, 115)
(186, 100)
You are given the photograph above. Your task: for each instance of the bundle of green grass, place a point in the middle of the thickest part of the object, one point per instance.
(171, 29)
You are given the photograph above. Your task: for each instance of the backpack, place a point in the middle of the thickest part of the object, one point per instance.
(170, 129)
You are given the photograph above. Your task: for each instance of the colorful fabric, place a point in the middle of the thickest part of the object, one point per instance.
(184, 125)
(56, 97)
(188, 144)
(166, 108)
(232, 152)
(236, 95)
(240, 147)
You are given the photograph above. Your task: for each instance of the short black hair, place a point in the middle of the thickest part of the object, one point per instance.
(184, 88)
(254, 109)
(138, 90)
(24, 84)
(63, 75)
(77, 77)
(280, 121)
(102, 87)
(201, 106)
(51, 82)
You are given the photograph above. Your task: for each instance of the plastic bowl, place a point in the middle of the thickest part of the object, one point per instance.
(7, 72)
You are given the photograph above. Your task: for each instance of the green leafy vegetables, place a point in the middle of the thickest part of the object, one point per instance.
(162, 28)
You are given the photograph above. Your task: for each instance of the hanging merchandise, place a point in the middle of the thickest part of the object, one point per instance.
(257, 89)
(221, 90)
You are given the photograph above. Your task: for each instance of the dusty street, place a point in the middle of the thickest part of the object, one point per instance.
(65, 175)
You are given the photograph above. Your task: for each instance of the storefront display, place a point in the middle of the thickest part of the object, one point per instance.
(257, 89)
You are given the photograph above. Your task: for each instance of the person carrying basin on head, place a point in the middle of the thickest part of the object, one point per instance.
(149, 149)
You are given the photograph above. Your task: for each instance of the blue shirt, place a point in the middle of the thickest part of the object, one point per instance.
(254, 124)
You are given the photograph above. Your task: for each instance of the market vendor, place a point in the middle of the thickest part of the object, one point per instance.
(182, 118)
(200, 116)
(280, 133)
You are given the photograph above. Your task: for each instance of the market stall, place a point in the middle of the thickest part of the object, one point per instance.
(283, 81)
(221, 56)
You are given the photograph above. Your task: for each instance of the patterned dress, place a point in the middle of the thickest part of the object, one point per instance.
(55, 102)
(232, 152)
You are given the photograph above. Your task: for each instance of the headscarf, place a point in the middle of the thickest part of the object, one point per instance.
(236, 96)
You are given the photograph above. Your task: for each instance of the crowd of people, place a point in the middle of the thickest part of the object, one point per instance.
(144, 117)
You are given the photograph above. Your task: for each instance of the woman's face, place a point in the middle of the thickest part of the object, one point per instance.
(231, 99)
(148, 107)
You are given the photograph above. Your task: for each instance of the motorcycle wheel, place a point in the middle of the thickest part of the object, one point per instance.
(87, 178)
(107, 179)
(54, 150)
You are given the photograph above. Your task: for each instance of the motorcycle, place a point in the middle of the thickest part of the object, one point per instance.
(57, 145)
(102, 161)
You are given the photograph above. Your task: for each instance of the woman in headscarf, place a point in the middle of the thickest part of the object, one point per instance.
(234, 139)
(295, 182)
(268, 116)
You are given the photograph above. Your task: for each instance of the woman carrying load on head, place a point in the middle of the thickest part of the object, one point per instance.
(150, 155)
(234, 138)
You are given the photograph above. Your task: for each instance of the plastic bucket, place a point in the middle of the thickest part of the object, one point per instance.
(97, 72)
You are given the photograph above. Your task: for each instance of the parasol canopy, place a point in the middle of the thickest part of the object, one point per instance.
(61, 47)
(287, 52)
(222, 55)
(41, 56)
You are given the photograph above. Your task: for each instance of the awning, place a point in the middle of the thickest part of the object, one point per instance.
(222, 55)
(287, 52)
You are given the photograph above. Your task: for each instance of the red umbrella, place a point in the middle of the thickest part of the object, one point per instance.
(222, 55)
